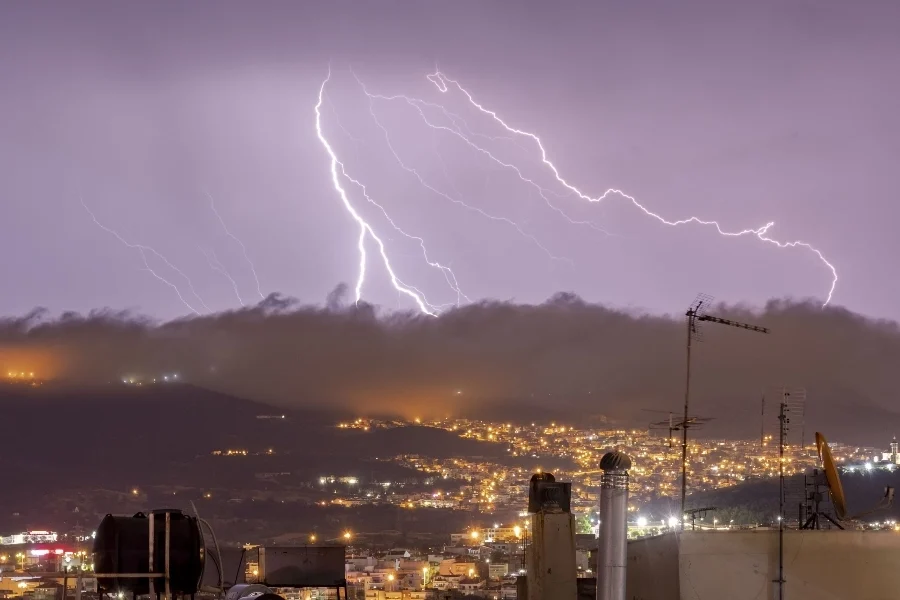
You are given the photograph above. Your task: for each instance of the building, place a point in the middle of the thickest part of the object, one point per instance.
(29, 537)
(712, 565)
(401, 595)
(893, 456)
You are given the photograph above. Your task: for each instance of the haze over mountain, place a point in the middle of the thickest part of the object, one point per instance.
(576, 358)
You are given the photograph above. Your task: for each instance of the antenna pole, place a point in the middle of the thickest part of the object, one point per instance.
(782, 418)
(691, 316)
(697, 313)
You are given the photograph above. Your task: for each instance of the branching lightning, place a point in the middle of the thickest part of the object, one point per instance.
(438, 192)
(218, 267)
(448, 274)
(457, 126)
(441, 82)
(143, 250)
(212, 204)
(339, 171)
(420, 106)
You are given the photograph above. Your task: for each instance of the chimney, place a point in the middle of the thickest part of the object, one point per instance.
(552, 574)
(613, 526)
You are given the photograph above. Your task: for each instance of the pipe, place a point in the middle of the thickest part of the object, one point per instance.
(613, 526)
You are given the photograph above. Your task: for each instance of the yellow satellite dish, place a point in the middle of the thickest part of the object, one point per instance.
(836, 490)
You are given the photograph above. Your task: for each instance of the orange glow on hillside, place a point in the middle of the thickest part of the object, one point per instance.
(27, 365)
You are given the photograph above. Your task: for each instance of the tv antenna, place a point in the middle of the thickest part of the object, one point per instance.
(695, 314)
(792, 404)
(673, 424)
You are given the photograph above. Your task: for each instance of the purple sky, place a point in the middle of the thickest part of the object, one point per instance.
(744, 114)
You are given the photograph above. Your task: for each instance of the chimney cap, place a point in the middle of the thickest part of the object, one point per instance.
(615, 461)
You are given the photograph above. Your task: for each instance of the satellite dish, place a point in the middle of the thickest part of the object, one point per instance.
(835, 489)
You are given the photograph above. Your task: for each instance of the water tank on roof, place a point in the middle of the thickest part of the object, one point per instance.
(122, 546)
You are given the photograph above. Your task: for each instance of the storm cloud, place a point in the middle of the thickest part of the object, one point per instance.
(565, 353)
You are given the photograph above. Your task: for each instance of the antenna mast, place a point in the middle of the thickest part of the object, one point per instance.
(697, 313)
(783, 422)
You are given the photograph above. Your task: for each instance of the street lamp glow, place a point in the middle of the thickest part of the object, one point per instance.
(347, 535)
(517, 531)
(475, 535)
(673, 522)
(642, 521)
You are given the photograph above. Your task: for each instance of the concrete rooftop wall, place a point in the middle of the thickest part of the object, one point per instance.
(740, 565)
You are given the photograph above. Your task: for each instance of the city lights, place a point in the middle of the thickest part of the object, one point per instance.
(22, 377)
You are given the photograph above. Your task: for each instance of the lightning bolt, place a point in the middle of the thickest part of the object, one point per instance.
(217, 266)
(428, 186)
(212, 204)
(143, 250)
(419, 105)
(448, 274)
(443, 83)
(337, 121)
(338, 172)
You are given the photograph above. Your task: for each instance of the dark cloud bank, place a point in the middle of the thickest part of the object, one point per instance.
(576, 358)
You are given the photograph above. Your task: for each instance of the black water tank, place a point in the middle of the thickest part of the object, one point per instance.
(122, 546)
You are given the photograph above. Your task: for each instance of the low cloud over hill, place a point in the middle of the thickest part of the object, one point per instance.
(576, 357)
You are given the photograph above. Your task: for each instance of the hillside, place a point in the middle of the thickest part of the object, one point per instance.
(756, 501)
(123, 435)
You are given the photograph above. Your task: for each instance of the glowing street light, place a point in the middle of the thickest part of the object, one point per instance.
(517, 531)
(475, 535)
(312, 538)
(347, 535)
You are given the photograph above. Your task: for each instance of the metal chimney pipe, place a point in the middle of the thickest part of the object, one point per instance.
(613, 526)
